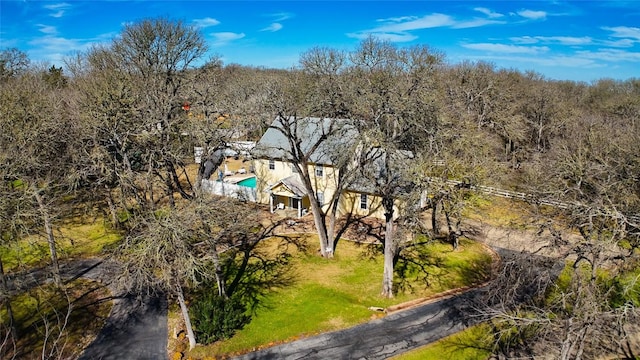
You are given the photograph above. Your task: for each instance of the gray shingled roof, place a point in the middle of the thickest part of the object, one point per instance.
(274, 144)
(376, 165)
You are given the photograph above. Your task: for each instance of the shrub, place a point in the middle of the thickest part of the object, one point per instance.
(217, 318)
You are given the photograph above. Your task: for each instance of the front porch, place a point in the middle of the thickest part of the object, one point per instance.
(288, 195)
(292, 205)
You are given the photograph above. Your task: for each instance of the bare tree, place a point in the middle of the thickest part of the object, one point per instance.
(589, 181)
(396, 104)
(312, 120)
(172, 250)
(13, 62)
(305, 142)
(12, 198)
(133, 91)
(159, 254)
(39, 144)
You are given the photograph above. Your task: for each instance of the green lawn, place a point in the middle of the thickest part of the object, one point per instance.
(462, 345)
(335, 294)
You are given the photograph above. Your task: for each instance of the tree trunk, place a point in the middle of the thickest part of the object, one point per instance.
(319, 221)
(220, 279)
(169, 187)
(185, 316)
(219, 272)
(50, 238)
(331, 231)
(453, 236)
(112, 209)
(434, 217)
(199, 176)
(389, 250)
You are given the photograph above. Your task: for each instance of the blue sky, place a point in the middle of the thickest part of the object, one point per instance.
(565, 40)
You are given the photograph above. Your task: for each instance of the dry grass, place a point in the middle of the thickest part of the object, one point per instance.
(500, 212)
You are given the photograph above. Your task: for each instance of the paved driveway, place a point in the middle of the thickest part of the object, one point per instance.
(137, 325)
(389, 336)
(377, 339)
(136, 329)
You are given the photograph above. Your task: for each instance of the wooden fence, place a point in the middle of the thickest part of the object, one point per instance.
(635, 218)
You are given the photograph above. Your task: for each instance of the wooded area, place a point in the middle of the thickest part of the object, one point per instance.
(109, 135)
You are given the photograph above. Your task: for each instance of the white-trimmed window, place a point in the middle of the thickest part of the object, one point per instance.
(272, 164)
(320, 197)
(363, 202)
(319, 170)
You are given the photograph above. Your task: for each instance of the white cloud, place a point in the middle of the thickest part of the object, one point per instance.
(56, 43)
(277, 18)
(398, 29)
(205, 22)
(488, 12)
(552, 61)
(393, 37)
(620, 43)
(507, 49)
(58, 9)
(567, 61)
(47, 29)
(612, 55)
(624, 32)
(281, 16)
(425, 22)
(273, 27)
(562, 40)
(223, 38)
(475, 23)
(532, 14)
(53, 49)
(567, 40)
(398, 19)
(524, 40)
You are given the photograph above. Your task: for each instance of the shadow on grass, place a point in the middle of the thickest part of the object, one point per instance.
(434, 265)
(51, 322)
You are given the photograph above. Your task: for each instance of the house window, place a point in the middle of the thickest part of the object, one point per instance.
(319, 170)
(320, 197)
(272, 164)
(294, 169)
(363, 201)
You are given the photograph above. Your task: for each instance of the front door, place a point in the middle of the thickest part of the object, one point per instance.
(294, 203)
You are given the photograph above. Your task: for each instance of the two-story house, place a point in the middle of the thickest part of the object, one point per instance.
(328, 148)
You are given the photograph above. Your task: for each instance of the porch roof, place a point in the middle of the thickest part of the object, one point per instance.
(290, 186)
